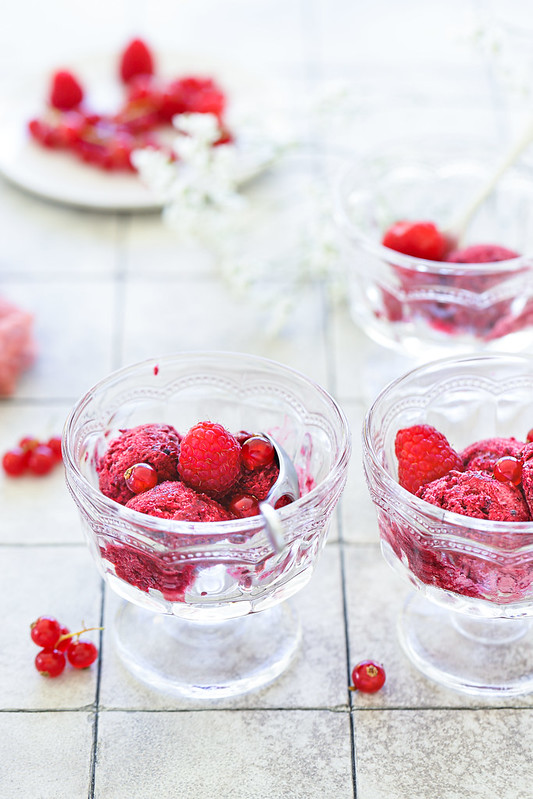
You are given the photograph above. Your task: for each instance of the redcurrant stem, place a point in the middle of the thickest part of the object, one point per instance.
(80, 632)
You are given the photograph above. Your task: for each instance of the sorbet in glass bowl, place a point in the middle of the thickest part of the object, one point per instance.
(449, 302)
(204, 574)
(476, 570)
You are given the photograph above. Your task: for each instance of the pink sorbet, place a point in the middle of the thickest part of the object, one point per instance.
(257, 482)
(527, 475)
(156, 444)
(174, 500)
(478, 495)
(150, 571)
(481, 254)
(482, 455)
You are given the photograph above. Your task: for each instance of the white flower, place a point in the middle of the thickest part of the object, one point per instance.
(202, 202)
(201, 128)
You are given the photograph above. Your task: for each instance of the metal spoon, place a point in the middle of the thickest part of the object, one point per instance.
(285, 486)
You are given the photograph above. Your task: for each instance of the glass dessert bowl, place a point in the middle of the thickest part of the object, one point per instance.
(435, 308)
(190, 623)
(469, 623)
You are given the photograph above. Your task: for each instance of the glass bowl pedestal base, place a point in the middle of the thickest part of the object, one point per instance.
(479, 656)
(206, 660)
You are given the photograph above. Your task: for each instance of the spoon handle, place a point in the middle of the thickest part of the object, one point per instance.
(457, 230)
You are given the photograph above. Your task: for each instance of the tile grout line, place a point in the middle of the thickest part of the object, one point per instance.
(339, 709)
(310, 30)
(332, 385)
(120, 280)
(347, 644)
(94, 749)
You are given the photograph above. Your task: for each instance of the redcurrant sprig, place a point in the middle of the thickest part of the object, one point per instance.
(60, 645)
(33, 456)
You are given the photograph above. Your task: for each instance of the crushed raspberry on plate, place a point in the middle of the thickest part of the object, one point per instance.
(107, 140)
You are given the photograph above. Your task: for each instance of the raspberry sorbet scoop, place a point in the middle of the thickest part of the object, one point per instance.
(478, 495)
(481, 254)
(174, 500)
(156, 444)
(482, 455)
(526, 455)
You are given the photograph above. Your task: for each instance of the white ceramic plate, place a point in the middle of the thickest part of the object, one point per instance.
(60, 177)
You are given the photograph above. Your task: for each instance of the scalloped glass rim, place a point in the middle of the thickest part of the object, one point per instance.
(202, 529)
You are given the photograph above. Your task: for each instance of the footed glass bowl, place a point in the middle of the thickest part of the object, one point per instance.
(469, 625)
(190, 624)
(436, 308)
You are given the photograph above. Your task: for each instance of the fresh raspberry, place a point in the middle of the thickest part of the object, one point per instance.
(209, 458)
(423, 455)
(136, 60)
(66, 92)
(418, 239)
(193, 95)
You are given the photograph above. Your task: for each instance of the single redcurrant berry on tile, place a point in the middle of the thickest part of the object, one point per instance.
(257, 452)
(63, 643)
(529, 437)
(244, 505)
(140, 477)
(55, 445)
(81, 654)
(45, 632)
(508, 470)
(15, 461)
(368, 677)
(50, 662)
(41, 460)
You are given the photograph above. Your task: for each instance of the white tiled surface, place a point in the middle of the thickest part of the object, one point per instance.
(315, 679)
(107, 289)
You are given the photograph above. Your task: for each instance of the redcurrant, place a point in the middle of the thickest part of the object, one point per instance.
(81, 654)
(28, 443)
(140, 477)
(257, 452)
(55, 445)
(508, 470)
(368, 677)
(15, 461)
(41, 460)
(64, 643)
(50, 662)
(45, 632)
(529, 437)
(244, 505)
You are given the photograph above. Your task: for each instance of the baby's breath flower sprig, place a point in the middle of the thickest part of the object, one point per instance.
(205, 203)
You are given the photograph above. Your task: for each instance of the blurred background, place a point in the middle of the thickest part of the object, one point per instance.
(455, 56)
